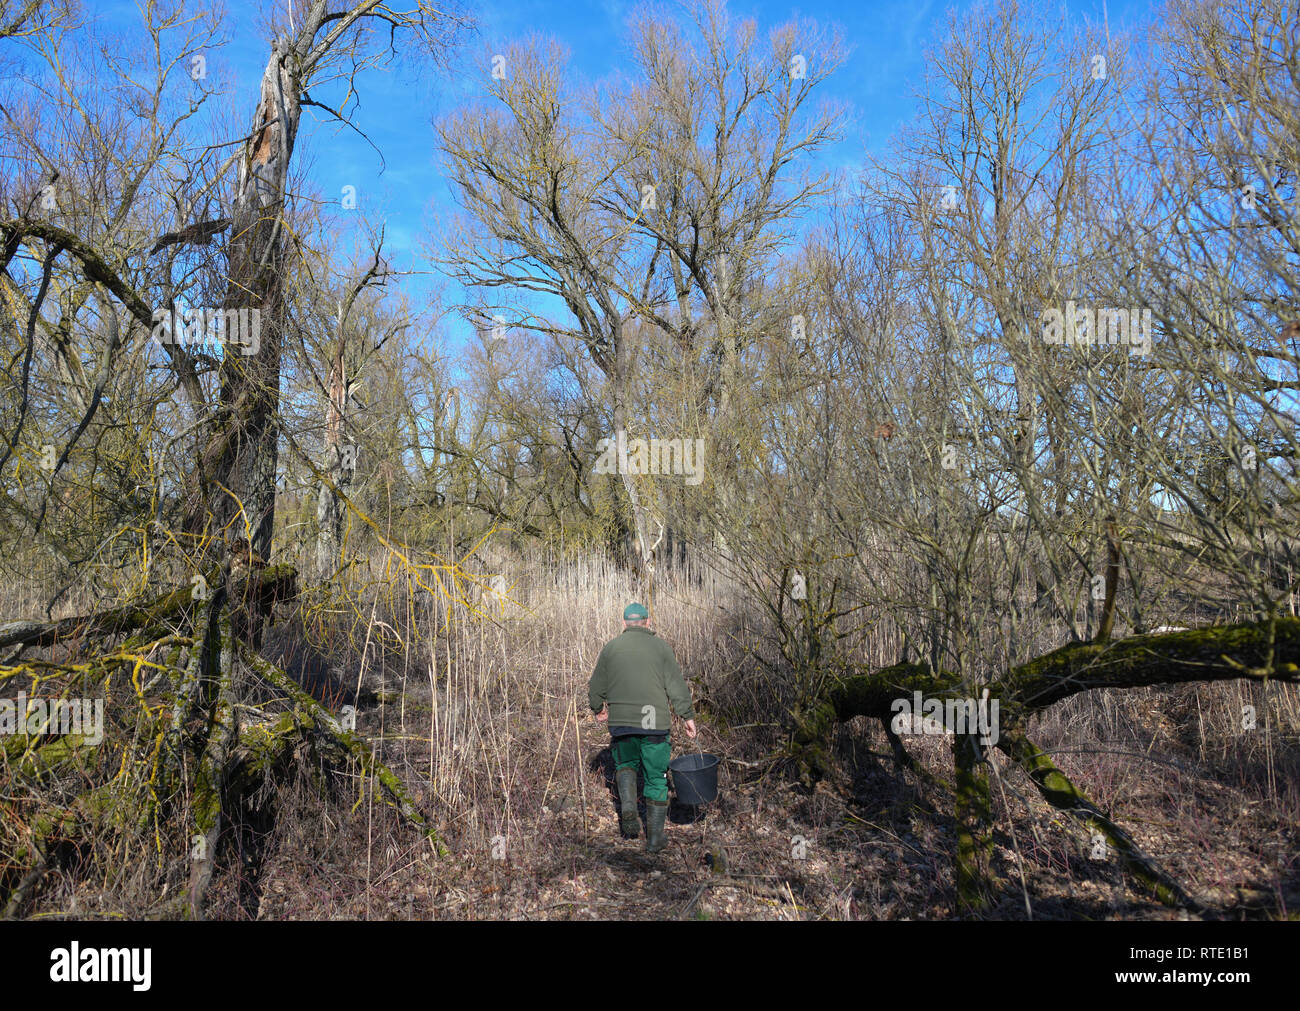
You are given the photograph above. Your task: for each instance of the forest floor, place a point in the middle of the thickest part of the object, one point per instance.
(871, 842)
(487, 724)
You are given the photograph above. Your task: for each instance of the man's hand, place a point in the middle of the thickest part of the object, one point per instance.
(690, 729)
(603, 715)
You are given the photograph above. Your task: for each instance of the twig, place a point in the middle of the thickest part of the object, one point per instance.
(582, 776)
(554, 761)
(694, 898)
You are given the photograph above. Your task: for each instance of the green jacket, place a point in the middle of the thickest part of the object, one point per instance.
(636, 670)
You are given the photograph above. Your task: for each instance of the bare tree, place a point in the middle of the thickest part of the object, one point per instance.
(646, 205)
(119, 211)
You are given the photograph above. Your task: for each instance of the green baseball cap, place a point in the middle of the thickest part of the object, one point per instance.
(635, 612)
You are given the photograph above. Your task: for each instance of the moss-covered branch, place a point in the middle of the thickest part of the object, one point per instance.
(343, 743)
(198, 755)
(1057, 789)
(276, 582)
(1214, 653)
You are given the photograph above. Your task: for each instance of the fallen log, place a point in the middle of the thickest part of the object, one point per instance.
(1253, 651)
(1249, 651)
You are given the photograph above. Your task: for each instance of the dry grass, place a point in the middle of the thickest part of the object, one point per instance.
(483, 712)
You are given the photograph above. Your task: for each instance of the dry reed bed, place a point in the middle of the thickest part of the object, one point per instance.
(483, 713)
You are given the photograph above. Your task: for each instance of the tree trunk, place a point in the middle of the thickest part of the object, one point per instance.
(620, 380)
(974, 817)
(340, 462)
(233, 490)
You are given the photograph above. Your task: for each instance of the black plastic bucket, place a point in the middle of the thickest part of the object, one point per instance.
(695, 778)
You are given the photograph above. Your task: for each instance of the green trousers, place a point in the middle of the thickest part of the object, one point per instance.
(650, 755)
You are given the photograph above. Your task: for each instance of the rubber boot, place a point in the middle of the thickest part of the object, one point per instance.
(656, 814)
(629, 821)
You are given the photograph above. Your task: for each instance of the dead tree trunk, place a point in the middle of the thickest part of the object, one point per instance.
(233, 487)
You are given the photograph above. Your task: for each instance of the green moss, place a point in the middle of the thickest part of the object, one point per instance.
(207, 799)
(263, 748)
(1057, 789)
(287, 723)
(973, 814)
(810, 741)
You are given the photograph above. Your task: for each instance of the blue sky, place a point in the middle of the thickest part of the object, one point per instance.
(887, 44)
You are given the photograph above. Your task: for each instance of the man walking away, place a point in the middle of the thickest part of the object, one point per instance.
(635, 681)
